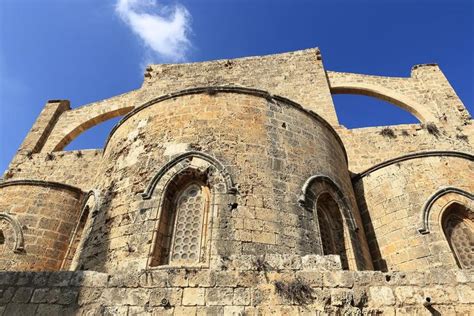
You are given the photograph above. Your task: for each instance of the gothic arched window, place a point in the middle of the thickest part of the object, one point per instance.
(331, 227)
(458, 227)
(185, 194)
(78, 242)
(182, 231)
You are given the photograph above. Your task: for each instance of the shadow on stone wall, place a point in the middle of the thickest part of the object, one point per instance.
(379, 263)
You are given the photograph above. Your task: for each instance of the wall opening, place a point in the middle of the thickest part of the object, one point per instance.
(181, 236)
(74, 259)
(331, 228)
(93, 137)
(458, 227)
(7, 237)
(357, 111)
(76, 244)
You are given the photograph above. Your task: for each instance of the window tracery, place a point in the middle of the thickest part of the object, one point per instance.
(182, 232)
(458, 227)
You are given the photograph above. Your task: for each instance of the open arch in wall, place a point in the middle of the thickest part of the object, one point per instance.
(186, 194)
(358, 111)
(103, 124)
(405, 103)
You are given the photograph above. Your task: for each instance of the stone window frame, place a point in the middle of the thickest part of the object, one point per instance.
(19, 246)
(462, 215)
(433, 214)
(335, 223)
(204, 210)
(312, 189)
(90, 207)
(222, 197)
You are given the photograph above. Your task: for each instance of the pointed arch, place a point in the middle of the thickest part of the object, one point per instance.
(92, 121)
(183, 160)
(439, 201)
(328, 185)
(89, 209)
(19, 239)
(186, 193)
(458, 227)
(323, 198)
(389, 95)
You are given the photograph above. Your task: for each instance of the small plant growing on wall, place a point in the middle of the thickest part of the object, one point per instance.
(8, 175)
(297, 291)
(79, 154)
(463, 137)
(49, 156)
(388, 132)
(432, 129)
(261, 265)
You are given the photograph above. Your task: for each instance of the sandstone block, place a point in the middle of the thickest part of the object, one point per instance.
(381, 296)
(193, 296)
(219, 296)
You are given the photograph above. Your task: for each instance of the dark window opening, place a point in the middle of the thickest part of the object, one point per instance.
(458, 227)
(331, 228)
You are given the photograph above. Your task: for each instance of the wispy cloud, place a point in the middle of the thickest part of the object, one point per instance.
(164, 30)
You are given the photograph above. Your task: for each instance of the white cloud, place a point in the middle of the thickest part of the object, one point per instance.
(163, 29)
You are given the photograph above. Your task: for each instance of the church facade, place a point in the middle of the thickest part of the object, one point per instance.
(229, 187)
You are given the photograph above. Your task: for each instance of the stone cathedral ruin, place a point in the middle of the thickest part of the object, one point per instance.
(230, 188)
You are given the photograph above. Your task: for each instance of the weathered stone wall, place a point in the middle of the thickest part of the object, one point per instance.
(269, 147)
(299, 76)
(276, 149)
(46, 214)
(392, 200)
(77, 168)
(427, 94)
(41, 129)
(244, 287)
(369, 146)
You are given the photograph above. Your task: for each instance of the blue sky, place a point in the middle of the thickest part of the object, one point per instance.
(87, 50)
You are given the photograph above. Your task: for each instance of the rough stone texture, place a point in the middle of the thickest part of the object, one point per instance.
(370, 293)
(47, 214)
(391, 209)
(262, 136)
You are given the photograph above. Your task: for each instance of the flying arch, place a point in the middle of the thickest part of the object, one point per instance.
(389, 95)
(72, 134)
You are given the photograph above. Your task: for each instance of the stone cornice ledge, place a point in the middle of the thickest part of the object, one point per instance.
(43, 183)
(422, 154)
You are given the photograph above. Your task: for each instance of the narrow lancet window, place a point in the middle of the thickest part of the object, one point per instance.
(77, 242)
(458, 226)
(331, 228)
(182, 230)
